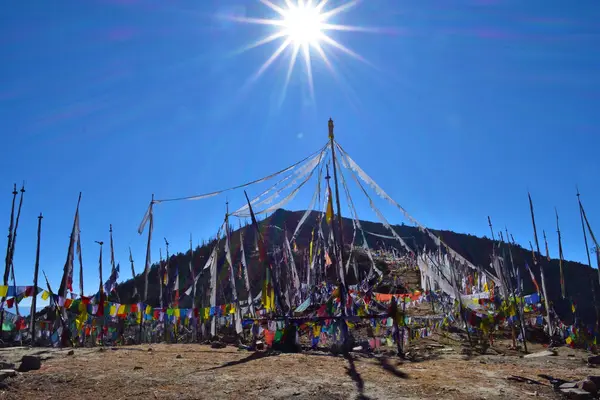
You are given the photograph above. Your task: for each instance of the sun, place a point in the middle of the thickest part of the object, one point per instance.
(302, 26)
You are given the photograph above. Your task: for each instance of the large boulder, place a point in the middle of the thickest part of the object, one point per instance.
(30, 363)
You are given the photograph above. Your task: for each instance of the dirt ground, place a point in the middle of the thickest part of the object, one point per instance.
(191, 371)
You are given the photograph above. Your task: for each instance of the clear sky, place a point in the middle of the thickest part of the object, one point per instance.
(460, 109)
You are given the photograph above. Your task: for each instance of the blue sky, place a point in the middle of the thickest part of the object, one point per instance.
(467, 105)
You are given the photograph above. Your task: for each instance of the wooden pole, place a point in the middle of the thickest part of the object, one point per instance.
(35, 279)
(13, 243)
(504, 280)
(113, 266)
(101, 291)
(8, 247)
(541, 265)
(340, 244)
(563, 289)
(587, 252)
(147, 265)
(168, 304)
(518, 307)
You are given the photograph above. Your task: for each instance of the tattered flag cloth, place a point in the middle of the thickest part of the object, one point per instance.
(537, 287)
(111, 283)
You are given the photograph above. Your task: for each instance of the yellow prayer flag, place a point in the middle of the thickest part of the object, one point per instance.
(45, 294)
(569, 340)
(148, 310)
(232, 309)
(80, 320)
(121, 309)
(3, 291)
(329, 212)
(113, 310)
(177, 312)
(206, 314)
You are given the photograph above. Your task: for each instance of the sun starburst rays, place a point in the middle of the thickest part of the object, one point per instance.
(302, 24)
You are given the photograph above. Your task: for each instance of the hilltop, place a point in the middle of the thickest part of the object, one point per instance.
(579, 278)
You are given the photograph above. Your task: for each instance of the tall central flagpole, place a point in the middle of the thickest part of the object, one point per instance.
(35, 279)
(343, 291)
(337, 194)
(537, 244)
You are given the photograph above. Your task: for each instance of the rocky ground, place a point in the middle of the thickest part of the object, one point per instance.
(190, 371)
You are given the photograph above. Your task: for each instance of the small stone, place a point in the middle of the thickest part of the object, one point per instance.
(178, 356)
(588, 386)
(150, 349)
(101, 350)
(137, 367)
(7, 373)
(3, 385)
(30, 363)
(6, 365)
(568, 385)
(594, 360)
(595, 379)
(543, 353)
(71, 353)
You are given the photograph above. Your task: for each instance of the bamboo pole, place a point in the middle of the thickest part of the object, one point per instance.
(35, 279)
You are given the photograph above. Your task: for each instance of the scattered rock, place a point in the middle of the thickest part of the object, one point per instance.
(3, 385)
(595, 379)
(101, 349)
(7, 373)
(137, 367)
(568, 385)
(576, 394)
(30, 363)
(178, 356)
(71, 353)
(587, 385)
(218, 345)
(6, 365)
(150, 349)
(594, 360)
(543, 353)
